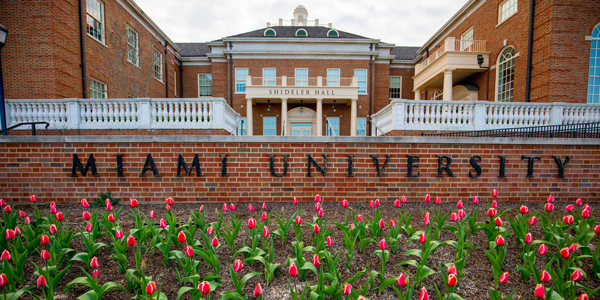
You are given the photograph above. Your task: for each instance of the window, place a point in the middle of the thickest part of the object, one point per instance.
(466, 40)
(95, 19)
(593, 95)
(269, 126)
(361, 75)
(507, 9)
(97, 89)
(132, 46)
(395, 87)
(270, 32)
(301, 33)
(269, 76)
(240, 80)
(333, 126)
(158, 65)
(243, 127)
(333, 77)
(506, 75)
(205, 85)
(333, 33)
(361, 126)
(302, 77)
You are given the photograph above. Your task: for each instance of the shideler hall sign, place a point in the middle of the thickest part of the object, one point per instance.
(444, 165)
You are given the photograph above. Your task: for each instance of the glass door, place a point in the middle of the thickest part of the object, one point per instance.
(301, 129)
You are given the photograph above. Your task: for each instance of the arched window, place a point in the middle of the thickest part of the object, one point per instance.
(270, 32)
(333, 33)
(301, 32)
(593, 95)
(505, 75)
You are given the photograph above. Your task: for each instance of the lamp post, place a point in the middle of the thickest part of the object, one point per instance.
(487, 87)
(3, 35)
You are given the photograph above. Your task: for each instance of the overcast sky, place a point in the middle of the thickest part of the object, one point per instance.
(401, 22)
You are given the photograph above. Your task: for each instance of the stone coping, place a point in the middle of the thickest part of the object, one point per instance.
(290, 139)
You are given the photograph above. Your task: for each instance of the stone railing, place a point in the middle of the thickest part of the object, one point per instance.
(452, 44)
(137, 113)
(478, 115)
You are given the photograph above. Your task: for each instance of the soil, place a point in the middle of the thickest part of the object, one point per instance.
(476, 281)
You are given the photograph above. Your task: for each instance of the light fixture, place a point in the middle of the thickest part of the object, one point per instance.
(269, 108)
(301, 109)
(3, 35)
(479, 59)
(334, 110)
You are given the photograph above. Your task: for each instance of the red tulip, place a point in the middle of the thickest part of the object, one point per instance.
(423, 238)
(250, 208)
(426, 218)
(438, 201)
(266, 231)
(84, 203)
(133, 203)
(451, 282)
(7, 209)
(573, 247)
(17, 231)
(597, 229)
(360, 218)
(345, 203)
(315, 260)
(204, 287)
(498, 221)
(225, 207)
(545, 277)
(3, 280)
(401, 280)
(382, 245)
(397, 203)
(94, 264)
(293, 270)
(570, 208)
(423, 294)
(264, 216)
(475, 200)
(33, 199)
(95, 274)
(503, 278)
(392, 223)
(257, 290)
(568, 219)
(130, 241)
(565, 253)
(86, 215)
(403, 199)
(44, 240)
(295, 201)
(88, 227)
(232, 206)
(152, 214)
(494, 204)
(108, 205)
(168, 207)
(53, 229)
(210, 230)
(215, 242)
(459, 205)
(150, 288)
(454, 217)
(550, 199)
(52, 204)
(21, 214)
(579, 201)
(347, 289)
(181, 237)
(381, 224)
(549, 207)
(237, 265)
(528, 238)
(10, 234)
(491, 212)
(377, 204)
(41, 282)
(27, 221)
(452, 270)
(532, 220)
(2, 202)
(111, 218)
(576, 276)
(5, 255)
(45, 254)
(427, 198)
(583, 297)
(543, 249)
(162, 223)
(371, 204)
(318, 206)
(494, 193)
(201, 208)
(264, 206)
(587, 207)
(500, 240)
(298, 220)
(524, 209)
(170, 201)
(318, 198)
(461, 213)
(251, 223)
(316, 228)
(59, 216)
(119, 234)
(585, 214)
(540, 291)
(329, 241)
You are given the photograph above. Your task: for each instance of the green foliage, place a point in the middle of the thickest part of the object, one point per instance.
(100, 202)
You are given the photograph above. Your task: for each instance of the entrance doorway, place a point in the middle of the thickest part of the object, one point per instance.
(301, 122)
(301, 129)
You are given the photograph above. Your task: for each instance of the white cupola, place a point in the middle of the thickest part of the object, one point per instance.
(300, 16)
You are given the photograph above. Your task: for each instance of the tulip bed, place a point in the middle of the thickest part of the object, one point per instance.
(418, 249)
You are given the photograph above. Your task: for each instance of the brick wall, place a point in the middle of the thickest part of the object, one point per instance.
(44, 169)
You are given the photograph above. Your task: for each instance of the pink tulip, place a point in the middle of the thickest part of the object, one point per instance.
(293, 270)
(108, 205)
(403, 199)
(347, 289)
(225, 207)
(451, 282)
(550, 199)
(257, 290)
(5, 255)
(585, 214)
(130, 241)
(264, 216)
(27, 221)
(111, 218)
(381, 224)
(215, 242)
(494, 193)
(181, 237)
(576, 276)
(503, 278)
(41, 282)
(170, 201)
(597, 229)
(298, 220)
(494, 204)
(21, 214)
(317, 206)
(162, 223)
(549, 207)
(543, 249)
(150, 288)
(545, 277)
(401, 280)
(88, 227)
(237, 265)
(152, 214)
(318, 198)
(540, 291)
(397, 203)
(423, 238)
(201, 208)
(475, 200)
(250, 208)
(377, 204)
(565, 253)
(528, 238)
(532, 220)
(210, 230)
(427, 198)
(345, 203)
(570, 208)
(232, 206)
(371, 204)
(438, 201)
(500, 240)
(44, 240)
(329, 241)
(94, 263)
(264, 206)
(45, 255)
(95, 274)
(461, 213)
(568, 219)
(32, 199)
(265, 231)
(119, 234)
(423, 294)
(52, 209)
(315, 260)
(251, 223)
(524, 209)
(426, 218)
(2, 202)
(320, 213)
(84, 203)
(133, 203)
(392, 223)
(491, 212)
(53, 229)
(454, 217)
(295, 201)
(86, 215)
(382, 244)
(316, 228)
(579, 201)
(17, 231)
(360, 218)
(573, 247)
(498, 222)
(459, 205)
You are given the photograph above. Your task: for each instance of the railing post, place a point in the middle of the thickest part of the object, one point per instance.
(218, 113)
(283, 80)
(449, 44)
(354, 81)
(479, 116)
(145, 113)
(556, 113)
(399, 115)
(319, 80)
(248, 80)
(73, 110)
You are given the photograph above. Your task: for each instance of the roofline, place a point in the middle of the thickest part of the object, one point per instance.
(295, 40)
(436, 35)
(146, 18)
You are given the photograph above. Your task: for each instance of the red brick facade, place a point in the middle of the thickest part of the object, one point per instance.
(45, 169)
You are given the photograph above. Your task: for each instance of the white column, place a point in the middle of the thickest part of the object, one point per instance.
(417, 94)
(447, 85)
(284, 120)
(249, 117)
(353, 117)
(319, 117)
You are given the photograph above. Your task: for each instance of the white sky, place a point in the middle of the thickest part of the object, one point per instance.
(401, 22)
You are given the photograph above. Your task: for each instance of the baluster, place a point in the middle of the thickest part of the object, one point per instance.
(12, 113)
(204, 112)
(50, 114)
(153, 113)
(83, 112)
(103, 113)
(46, 112)
(427, 114)
(126, 112)
(461, 115)
(410, 114)
(161, 113)
(421, 113)
(179, 112)
(567, 115)
(188, 114)
(579, 114)
(170, 107)
(110, 111)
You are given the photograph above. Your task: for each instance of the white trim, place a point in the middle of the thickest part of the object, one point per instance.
(196, 63)
(296, 34)
(226, 41)
(334, 37)
(393, 66)
(265, 32)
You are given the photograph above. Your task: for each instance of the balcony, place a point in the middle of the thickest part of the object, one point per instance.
(259, 89)
(450, 64)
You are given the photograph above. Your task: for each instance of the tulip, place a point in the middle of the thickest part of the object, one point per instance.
(498, 221)
(377, 204)
(3, 280)
(573, 247)
(95, 274)
(422, 238)
(204, 287)
(579, 201)
(347, 289)
(170, 201)
(44, 240)
(545, 277)
(568, 219)
(528, 238)
(451, 282)
(209, 230)
(53, 229)
(84, 203)
(33, 199)
(500, 240)
(181, 237)
(360, 218)
(237, 265)
(152, 214)
(250, 208)
(2, 202)
(438, 201)
(452, 270)
(5, 255)
(475, 200)
(318, 206)
(597, 229)
(298, 220)
(381, 224)
(461, 213)
(150, 288)
(295, 201)
(316, 228)
(162, 223)
(52, 204)
(532, 220)
(133, 203)
(392, 223)
(59, 216)
(329, 241)
(503, 278)
(257, 290)
(41, 282)
(7, 209)
(45, 254)
(426, 218)
(293, 270)
(215, 242)
(565, 253)
(401, 280)
(318, 198)
(382, 245)
(94, 263)
(345, 203)
(251, 223)
(494, 193)
(111, 218)
(86, 215)
(583, 297)
(540, 291)
(315, 260)
(119, 234)
(459, 205)
(403, 199)
(543, 249)
(232, 206)
(454, 217)
(225, 207)
(320, 214)
(587, 207)
(201, 208)
(264, 206)
(88, 227)
(427, 198)
(21, 214)
(423, 294)
(27, 221)
(10, 234)
(371, 204)
(266, 231)
(494, 204)
(17, 231)
(576, 276)
(570, 208)
(108, 205)
(264, 216)
(550, 199)
(130, 241)
(397, 203)
(491, 212)
(524, 209)
(585, 214)
(168, 207)
(361, 298)
(549, 207)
